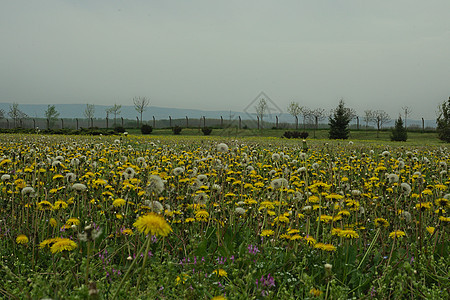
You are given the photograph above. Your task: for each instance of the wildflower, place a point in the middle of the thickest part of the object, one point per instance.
(154, 224)
(22, 239)
(381, 222)
(267, 232)
(155, 184)
(119, 202)
(73, 221)
(397, 234)
(219, 298)
(220, 273)
(392, 178)
(28, 190)
(63, 244)
(315, 292)
(310, 240)
(348, 233)
(45, 205)
(442, 202)
(405, 188)
(430, 229)
(222, 147)
(239, 210)
(71, 177)
(53, 222)
(178, 171)
(5, 177)
(79, 187)
(202, 215)
(60, 205)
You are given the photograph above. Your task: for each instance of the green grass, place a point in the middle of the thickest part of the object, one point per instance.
(414, 137)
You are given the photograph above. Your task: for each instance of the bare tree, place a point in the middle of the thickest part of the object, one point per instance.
(295, 110)
(140, 104)
(407, 111)
(318, 115)
(89, 111)
(368, 117)
(15, 113)
(306, 114)
(115, 110)
(380, 117)
(261, 108)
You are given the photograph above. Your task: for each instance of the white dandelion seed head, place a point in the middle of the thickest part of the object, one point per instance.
(275, 156)
(315, 166)
(250, 168)
(401, 164)
(301, 170)
(178, 171)
(28, 190)
(356, 192)
(155, 184)
(222, 147)
(406, 215)
(385, 153)
(405, 188)
(272, 172)
(6, 177)
(216, 187)
(71, 177)
(202, 178)
(75, 162)
(392, 178)
(155, 206)
(279, 183)
(79, 187)
(201, 198)
(239, 210)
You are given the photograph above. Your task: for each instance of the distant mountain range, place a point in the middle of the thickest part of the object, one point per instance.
(72, 111)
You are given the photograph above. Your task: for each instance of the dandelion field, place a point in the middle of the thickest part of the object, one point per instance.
(136, 217)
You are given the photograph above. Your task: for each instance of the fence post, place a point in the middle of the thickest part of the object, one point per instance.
(77, 123)
(204, 122)
(170, 121)
(240, 122)
(7, 122)
(187, 122)
(257, 119)
(34, 124)
(296, 122)
(107, 125)
(154, 122)
(423, 125)
(357, 122)
(122, 121)
(62, 123)
(221, 122)
(277, 122)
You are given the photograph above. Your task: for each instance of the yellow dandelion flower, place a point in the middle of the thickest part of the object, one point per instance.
(281, 219)
(73, 221)
(444, 219)
(52, 222)
(397, 234)
(219, 298)
(267, 232)
(220, 273)
(119, 202)
(60, 205)
(349, 233)
(310, 240)
(296, 237)
(442, 202)
(381, 222)
(315, 292)
(430, 229)
(202, 215)
(58, 176)
(153, 224)
(328, 247)
(48, 242)
(44, 205)
(63, 244)
(22, 239)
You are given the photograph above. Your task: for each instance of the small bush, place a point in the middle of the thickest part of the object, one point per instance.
(146, 129)
(295, 134)
(119, 129)
(287, 134)
(206, 130)
(177, 130)
(304, 134)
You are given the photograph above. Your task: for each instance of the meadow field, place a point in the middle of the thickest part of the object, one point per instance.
(193, 217)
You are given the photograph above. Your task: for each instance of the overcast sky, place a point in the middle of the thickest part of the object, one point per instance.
(219, 55)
